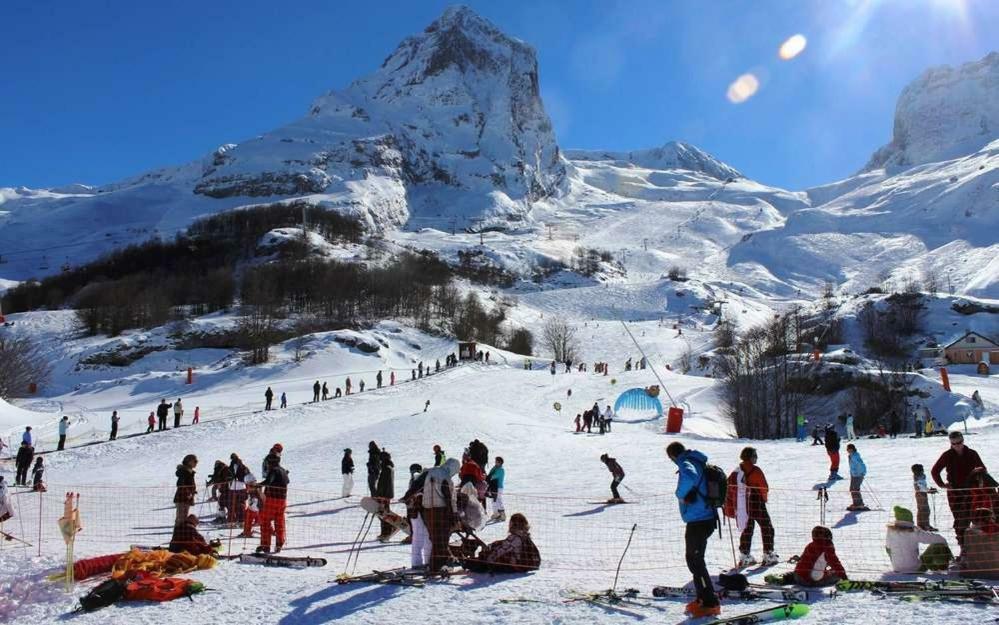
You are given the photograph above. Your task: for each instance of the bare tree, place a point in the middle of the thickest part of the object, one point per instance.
(21, 364)
(560, 339)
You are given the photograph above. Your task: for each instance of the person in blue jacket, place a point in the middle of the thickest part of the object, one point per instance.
(495, 479)
(857, 472)
(700, 518)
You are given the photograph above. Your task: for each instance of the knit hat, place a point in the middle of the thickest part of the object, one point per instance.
(903, 517)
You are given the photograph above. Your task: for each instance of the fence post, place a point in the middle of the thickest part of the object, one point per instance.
(40, 499)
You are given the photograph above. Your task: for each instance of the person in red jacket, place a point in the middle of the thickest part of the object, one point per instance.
(472, 472)
(961, 463)
(747, 503)
(819, 565)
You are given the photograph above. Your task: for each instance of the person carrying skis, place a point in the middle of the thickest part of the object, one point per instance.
(347, 472)
(857, 472)
(37, 474)
(25, 454)
(268, 398)
(700, 519)
(439, 511)
(922, 499)
(151, 420)
(183, 498)
(274, 501)
(187, 538)
(902, 540)
(960, 461)
(114, 425)
(374, 466)
(747, 503)
(618, 476)
(832, 448)
(63, 429)
(439, 456)
(162, 411)
(496, 479)
(178, 412)
(315, 392)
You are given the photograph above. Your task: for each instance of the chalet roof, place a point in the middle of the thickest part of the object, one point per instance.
(987, 340)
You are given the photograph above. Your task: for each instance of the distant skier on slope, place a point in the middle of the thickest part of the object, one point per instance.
(347, 472)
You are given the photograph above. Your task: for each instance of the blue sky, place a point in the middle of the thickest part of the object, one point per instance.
(97, 91)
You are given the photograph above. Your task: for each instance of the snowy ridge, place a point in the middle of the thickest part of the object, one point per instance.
(673, 155)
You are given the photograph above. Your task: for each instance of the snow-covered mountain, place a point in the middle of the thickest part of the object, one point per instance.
(673, 155)
(945, 113)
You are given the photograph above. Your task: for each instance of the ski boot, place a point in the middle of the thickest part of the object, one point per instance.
(770, 558)
(497, 516)
(263, 549)
(277, 548)
(615, 500)
(745, 560)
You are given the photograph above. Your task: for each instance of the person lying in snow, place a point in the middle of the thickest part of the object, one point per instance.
(516, 553)
(186, 537)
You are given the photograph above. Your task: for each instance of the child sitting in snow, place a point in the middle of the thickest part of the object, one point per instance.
(902, 540)
(818, 565)
(516, 553)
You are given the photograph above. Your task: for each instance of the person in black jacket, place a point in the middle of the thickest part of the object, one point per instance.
(186, 488)
(25, 454)
(385, 491)
(274, 499)
(374, 466)
(347, 470)
(832, 448)
(315, 392)
(163, 411)
(268, 398)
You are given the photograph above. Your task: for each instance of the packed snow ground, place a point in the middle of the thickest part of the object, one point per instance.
(554, 476)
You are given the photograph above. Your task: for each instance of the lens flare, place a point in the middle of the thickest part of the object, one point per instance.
(743, 88)
(792, 47)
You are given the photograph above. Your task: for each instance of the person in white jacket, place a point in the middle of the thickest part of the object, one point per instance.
(902, 540)
(608, 417)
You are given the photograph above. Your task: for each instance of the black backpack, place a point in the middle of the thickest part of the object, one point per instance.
(715, 485)
(103, 595)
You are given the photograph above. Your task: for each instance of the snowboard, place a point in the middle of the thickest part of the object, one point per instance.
(291, 562)
(777, 613)
(399, 523)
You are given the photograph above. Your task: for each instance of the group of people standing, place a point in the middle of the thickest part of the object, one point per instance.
(585, 420)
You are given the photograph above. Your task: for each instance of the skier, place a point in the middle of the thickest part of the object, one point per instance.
(269, 397)
(374, 466)
(186, 492)
(922, 501)
(378, 379)
(274, 500)
(315, 392)
(747, 503)
(832, 448)
(63, 428)
(114, 425)
(162, 411)
(25, 454)
(919, 421)
(618, 474)
(347, 471)
(437, 366)
(857, 472)
(284, 399)
(960, 462)
(151, 419)
(700, 519)
(413, 378)
(37, 484)
(496, 479)
(439, 456)
(802, 423)
(385, 492)
(850, 434)
(608, 417)
(276, 450)
(219, 483)
(439, 510)
(487, 358)
(471, 473)
(197, 416)
(326, 392)
(902, 540)
(178, 412)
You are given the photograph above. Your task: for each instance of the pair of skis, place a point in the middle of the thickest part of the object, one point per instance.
(404, 576)
(628, 599)
(851, 585)
(749, 594)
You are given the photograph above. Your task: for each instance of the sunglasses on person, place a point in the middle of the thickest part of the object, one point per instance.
(956, 441)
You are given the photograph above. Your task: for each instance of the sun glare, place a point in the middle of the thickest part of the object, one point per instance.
(792, 47)
(743, 88)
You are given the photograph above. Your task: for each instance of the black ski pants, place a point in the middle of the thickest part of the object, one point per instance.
(757, 514)
(22, 474)
(62, 442)
(617, 480)
(696, 543)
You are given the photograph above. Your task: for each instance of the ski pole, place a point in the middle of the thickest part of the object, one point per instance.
(873, 495)
(731, 540)
(619, 562)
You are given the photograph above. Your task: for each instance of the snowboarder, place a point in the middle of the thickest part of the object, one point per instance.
(284, 399)
(37, 483)
(700, 519)
(269, 397)
(496, 480)
(374, 466)
(114, 425)
(25, 453)
(960, 461)
(832, 448)
(378, 379)
(439, 511)
(857, 472)
(385, 492)
(902, 540)
(63, 429)
(618, 474)
(850, 434)
(315, 392)
(151, 420)
(178, 412)
(183, 498)
(439, 456)
(162, 411)
(347, 471)
(747, 503)
(274, 500)
(922, 500)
